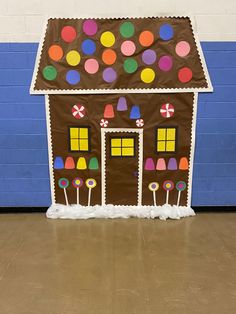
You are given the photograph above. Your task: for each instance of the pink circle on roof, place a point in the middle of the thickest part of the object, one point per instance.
(182, 48)
(68, 34)
(165, 63)
(90, 27)
(149, 56)
(128, 48)
(109, 75)
(91, 66)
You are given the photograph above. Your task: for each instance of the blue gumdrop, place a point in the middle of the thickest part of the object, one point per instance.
(58, 163)
(135, 113)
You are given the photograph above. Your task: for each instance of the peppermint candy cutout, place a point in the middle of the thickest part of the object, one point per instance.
(167, 110)
(139, 123)
(78, 111)
(104, 123)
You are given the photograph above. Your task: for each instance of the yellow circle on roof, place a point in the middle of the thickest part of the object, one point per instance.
(107, 39)
(147, 75)
(73, 58)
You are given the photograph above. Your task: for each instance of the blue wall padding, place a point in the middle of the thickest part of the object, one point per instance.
(24, 175)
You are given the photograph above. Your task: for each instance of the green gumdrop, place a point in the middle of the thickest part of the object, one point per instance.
(50, 73)
(127, 29)
(93, 163)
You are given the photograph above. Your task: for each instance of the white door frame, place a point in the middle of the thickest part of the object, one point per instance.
(103, 160)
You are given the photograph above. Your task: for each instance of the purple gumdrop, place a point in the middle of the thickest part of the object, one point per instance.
(172, 164)
(122, 104)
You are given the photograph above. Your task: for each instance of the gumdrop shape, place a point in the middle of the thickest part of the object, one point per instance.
(109, 112)
(135, 112)
(69, 163)
(161, 164)
(149, 164)
(122, 104)
(58, 163)
(183, 164)
(172, 164)
(93, 163)
(81, 164)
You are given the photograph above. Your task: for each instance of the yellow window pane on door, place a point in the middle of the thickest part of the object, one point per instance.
(171, 134)
(127, 142)
(170, 146)
(74, 132)
(83, 132)
(161, 146)
(161, 134)
(116, 151)
(83, 144)
(74, 144)
(127, 151)
(115, 142)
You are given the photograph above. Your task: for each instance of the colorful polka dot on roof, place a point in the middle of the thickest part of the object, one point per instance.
(109, 75)
(107, 39)
(109, 56)
(55, 52)
(185, 75)
(91, 66)
(73, 77)
(166, 32)
(147, 75)
(68, 34)
(128, 48)
(88, 47)
(130, 65)
(50, 73)
(146, 38)
(90, 27)
(149, 56)
(73, 58)
(127, 29)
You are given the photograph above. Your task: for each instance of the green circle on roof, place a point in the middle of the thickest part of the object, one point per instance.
(50, 73)
(127, 29)
(130, 65)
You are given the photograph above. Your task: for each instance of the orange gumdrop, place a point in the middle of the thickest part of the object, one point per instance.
(55, 52)
(109, 56)
(146, 38)
(183, 164)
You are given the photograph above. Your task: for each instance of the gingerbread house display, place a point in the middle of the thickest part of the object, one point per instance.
(121, 101)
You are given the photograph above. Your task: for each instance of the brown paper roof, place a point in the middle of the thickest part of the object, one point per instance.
(131, 54)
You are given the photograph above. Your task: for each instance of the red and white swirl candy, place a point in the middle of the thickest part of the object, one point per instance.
(167, 110)
(78, 111)
(139, 123)
(104, 123)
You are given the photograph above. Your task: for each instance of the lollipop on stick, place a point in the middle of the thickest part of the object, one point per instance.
(180, 186)
(168, 186)
(90, 183)
(63, 184)
(77, 183)
(153, 186)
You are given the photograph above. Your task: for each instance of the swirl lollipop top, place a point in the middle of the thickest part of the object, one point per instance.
(63, 183)
(77, 182)
(91, 183)
(168, 185)
(181, 185)
(153, 186)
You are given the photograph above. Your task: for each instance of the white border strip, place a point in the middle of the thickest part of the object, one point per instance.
(50, 150)
(192, 149)
(110, 91)
(103, 160)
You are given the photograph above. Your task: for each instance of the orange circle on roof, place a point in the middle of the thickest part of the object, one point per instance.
(146, 38)
(55, 52)
(185, 75)
(109, 56)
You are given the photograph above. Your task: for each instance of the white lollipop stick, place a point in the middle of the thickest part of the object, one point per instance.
(178, 201)
(77, 193)
(167, 197)
(154, 198)
(66, 198)
(89, 196)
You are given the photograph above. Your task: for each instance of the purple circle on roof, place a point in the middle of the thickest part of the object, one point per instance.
(109, 75)
(72, 77)
(90, 27)
(165, 63)
(149, 56)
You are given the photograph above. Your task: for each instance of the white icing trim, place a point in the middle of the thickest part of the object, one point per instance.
(103, 160)
(209, 88)
(192, 149)
(111, 211)
(50, 150)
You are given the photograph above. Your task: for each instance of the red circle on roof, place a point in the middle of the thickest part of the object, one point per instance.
(68, 34)
(185, 75)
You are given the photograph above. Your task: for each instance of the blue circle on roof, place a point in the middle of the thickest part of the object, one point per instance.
(88, 46)
(166, 32)
(72, 77)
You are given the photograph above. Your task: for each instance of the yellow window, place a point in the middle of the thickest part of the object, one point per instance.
(122, 147)
(166, 139)
(79, 139)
